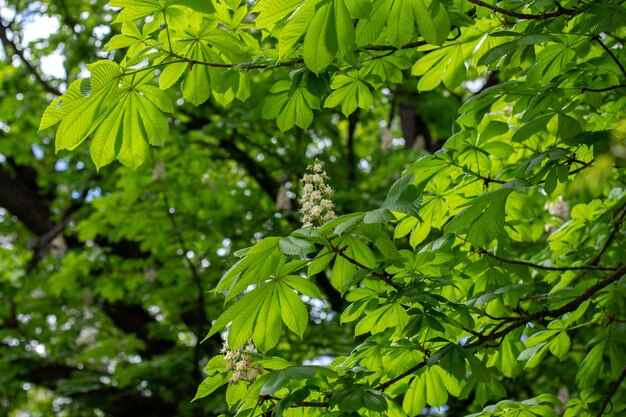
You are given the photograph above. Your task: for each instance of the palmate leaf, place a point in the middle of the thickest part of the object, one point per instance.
(259, 263)
(291, 103)
(122, 113)
(389, 315)
(349, 91)
(258, 315)
(139, 9)
(80, 115)
(430, 387)
(445, 65)
(483, 219)
(201, 40)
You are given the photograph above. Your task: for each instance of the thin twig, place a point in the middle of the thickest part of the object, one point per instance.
(386, 278)
(310, 404)
(612, 390)
(486, 180)
(167, 31)
(247, 66)
(616, 227)
(404, 374)
(196, 279)
(526, 16)
(601, 90)
(43, 241)
(611, 54)
(569, 307)
(592, 267)
(10, 44)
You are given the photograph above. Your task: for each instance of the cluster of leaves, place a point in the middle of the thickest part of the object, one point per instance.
(463, 278)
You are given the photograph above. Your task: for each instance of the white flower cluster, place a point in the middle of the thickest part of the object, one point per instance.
(316, 202)
(559, 212)
(240, 360)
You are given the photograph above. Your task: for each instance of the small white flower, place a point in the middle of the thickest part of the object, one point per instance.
(240, 360)
(315, 201)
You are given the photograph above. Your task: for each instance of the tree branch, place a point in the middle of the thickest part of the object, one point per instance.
(262, 177)
(601, 90)
(247, 66)
(592, 267)
(24, 203)
(404, 374)
(9, 43)
(197, 280)
(616, 227)
(561, 11)
(569, 307)
(384, 277)
(611, 54)
(612, 391)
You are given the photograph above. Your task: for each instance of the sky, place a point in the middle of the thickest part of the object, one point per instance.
(39, 27)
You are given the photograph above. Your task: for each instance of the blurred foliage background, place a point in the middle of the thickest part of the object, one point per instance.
(104, 276)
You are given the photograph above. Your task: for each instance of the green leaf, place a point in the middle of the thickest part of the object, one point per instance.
(170, 74)
(350, 92)
(483, 219)
(404, 197)
(358, 251)
(320, 42)
(134, 150)
(297, 110)
(102, 148)
(303, 286)
(344, 28)
(210, 384)
(342, 274)
(432, 20)
(134, 10)
(292, 310)
(381, 215)
(257, 265)
(295, 246)
(589, 369)
(369, 30)
(531, 128)
(272, 11)
(266, 328)
(320, 263)
(84, 114)
(400, 23)
(359, 9)
(279, 379)
(215, 365)
(560, 345)
(296, 27)
(196, 85)
(415, 398)
(379, 320)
